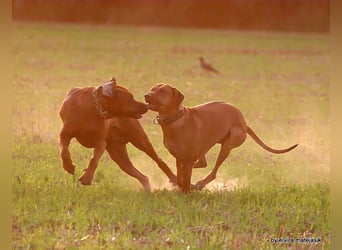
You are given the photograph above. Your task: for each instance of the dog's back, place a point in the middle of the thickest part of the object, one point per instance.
(73, 101)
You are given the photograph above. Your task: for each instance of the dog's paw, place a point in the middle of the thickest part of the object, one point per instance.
(195, 188)
(173, 181)
(70, 168)
(200, 163)
(86, 178)
(147, 188)
(199, 186)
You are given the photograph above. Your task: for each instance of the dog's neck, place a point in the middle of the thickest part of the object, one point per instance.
(170, 118)
(98, 104)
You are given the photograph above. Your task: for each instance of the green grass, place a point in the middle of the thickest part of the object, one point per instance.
(281, 83)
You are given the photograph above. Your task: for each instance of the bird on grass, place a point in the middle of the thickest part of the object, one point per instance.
(206, 66)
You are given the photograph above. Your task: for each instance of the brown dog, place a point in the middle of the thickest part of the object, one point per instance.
(105, 118)
(190, 132)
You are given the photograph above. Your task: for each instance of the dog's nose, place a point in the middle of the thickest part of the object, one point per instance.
(147, 95)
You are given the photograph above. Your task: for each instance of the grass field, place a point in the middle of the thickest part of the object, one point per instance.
(281, 83)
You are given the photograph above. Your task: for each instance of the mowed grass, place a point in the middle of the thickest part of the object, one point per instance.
(280, 82)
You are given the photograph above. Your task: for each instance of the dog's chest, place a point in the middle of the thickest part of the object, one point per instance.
(179, 148)
(89, 135)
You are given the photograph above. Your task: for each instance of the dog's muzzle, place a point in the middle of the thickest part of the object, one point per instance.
(149, 100)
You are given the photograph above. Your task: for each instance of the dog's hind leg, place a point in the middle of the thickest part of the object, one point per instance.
(235, 138)
(146, 146)
(224, 152)
(64, 142)
(118, 153)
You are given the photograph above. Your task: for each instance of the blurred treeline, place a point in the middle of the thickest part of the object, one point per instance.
(278, 15)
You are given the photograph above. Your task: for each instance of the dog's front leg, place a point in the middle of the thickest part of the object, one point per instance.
(88, 174)
(187, 171)
(179, 174)
(64, 141)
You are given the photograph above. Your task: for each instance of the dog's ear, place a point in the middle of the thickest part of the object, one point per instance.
(112, 79)
(107, 89)
(178, 97)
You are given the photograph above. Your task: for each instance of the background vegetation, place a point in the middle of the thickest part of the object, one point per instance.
(284, 15)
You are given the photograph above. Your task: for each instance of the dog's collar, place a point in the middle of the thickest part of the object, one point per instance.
(165, 120)
(102, 112)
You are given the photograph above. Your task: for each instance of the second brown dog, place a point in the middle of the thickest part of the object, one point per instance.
(189, 133)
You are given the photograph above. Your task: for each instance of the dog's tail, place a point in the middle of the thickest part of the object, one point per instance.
(264, 146)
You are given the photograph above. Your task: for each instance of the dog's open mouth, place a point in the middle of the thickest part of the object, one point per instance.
(150, 104)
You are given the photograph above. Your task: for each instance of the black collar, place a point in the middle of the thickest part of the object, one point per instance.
(102, 112)
(165, 120)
